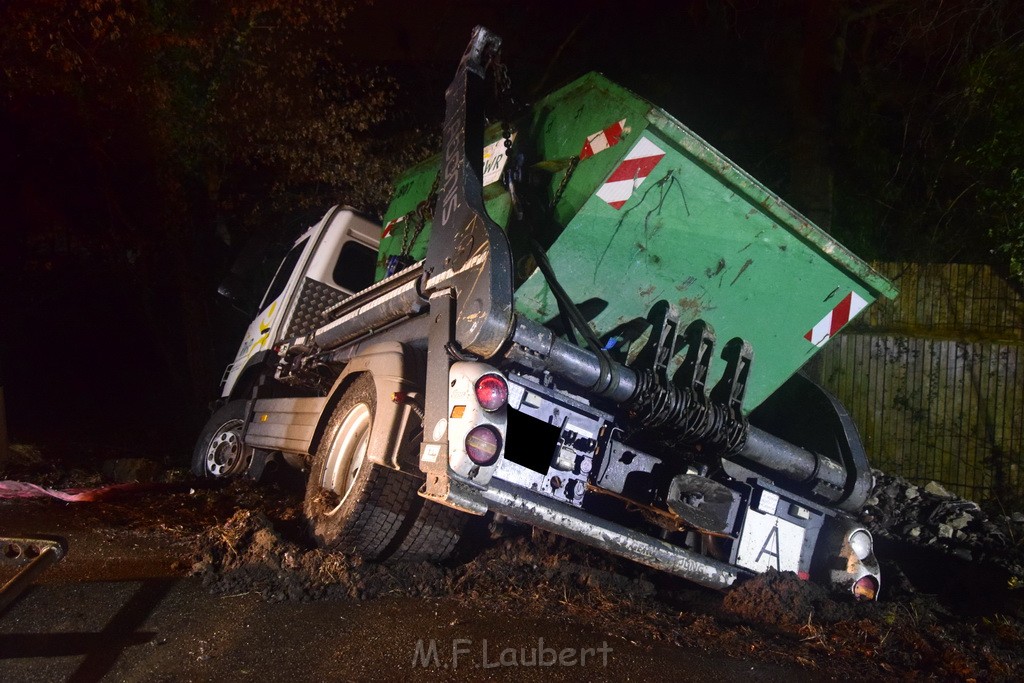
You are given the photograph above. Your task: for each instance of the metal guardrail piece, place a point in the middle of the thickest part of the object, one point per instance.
(34, 555)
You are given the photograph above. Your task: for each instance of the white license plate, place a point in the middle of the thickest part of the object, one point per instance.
(769, 542)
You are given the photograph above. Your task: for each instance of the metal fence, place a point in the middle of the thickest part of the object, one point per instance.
(935, 379)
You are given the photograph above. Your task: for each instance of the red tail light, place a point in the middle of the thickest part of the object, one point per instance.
(491, 392)
(483, 444)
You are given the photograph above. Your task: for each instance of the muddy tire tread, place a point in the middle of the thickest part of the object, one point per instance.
(433, 536)
(379, 512)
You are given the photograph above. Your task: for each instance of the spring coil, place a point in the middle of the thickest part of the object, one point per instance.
(685, 417)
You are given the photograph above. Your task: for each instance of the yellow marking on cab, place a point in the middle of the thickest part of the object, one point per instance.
(264, 331)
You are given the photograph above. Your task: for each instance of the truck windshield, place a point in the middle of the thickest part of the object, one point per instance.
(284, 272)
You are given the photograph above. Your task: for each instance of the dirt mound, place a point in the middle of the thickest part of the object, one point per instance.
(783, 601)
(510, 568)
(258, 544)
(248, 554)
(776, 616)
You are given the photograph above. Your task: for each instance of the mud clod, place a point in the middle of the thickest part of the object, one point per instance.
(247, 554)
(783, 601)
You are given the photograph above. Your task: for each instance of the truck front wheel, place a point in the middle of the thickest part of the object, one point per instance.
(354, 505)
(220, 453)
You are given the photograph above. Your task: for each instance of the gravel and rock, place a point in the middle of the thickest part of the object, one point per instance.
(930, 516)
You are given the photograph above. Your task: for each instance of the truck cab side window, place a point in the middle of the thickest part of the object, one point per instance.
(356, 266)
(284, 272)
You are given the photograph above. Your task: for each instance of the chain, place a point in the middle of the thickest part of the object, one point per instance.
(570, 313)
(557, 197)
(503, 88)
(418, 217)
(416, 222)
(513, 173)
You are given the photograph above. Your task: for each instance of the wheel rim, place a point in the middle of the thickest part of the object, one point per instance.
(225, 454)
(348, 452)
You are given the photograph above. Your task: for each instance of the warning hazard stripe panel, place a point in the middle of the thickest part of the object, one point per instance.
(603, 139)
(844, 312)
(391, 226)
(634, 169)
(637, 165)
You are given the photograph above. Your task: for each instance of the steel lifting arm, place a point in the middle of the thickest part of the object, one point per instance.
(468, 252)
(467, 273)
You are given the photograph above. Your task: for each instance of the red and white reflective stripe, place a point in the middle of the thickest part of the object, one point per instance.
(603, 139)
(844, 312)
(637, 165)
(391, 226)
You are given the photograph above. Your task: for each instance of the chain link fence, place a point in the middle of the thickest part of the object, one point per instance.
(935, 379)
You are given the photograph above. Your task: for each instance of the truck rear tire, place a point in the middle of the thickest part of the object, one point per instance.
(219, 452)
(356, 506)
(433, 535)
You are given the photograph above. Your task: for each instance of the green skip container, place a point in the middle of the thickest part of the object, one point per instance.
(651, 212)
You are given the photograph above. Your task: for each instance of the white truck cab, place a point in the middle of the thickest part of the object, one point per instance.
(328, 263)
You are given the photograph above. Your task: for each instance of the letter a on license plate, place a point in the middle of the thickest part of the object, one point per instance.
(769, 542)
